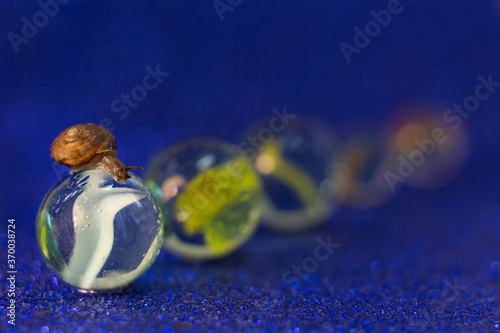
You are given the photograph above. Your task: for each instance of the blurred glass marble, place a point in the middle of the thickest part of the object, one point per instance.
(430, 152)
(211, 195)
(99, 234)
(296, 162)
(360, 172)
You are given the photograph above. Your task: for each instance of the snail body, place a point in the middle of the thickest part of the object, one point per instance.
(89, 146)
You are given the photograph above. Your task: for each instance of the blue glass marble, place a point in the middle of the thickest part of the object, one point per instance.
(99, 234)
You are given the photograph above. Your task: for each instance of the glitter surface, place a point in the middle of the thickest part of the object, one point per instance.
(429, 270)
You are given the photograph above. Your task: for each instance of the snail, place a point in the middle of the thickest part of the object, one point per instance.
(89, 146)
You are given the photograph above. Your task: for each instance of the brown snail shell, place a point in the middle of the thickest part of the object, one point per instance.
(89, 146)
(80, 143)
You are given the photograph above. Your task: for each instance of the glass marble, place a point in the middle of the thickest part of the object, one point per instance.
(431, 150)
(360, 172)
(211, 197)
(99, 234)
(296, 162)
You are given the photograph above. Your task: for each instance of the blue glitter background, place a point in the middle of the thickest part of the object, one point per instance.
(427, 260)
